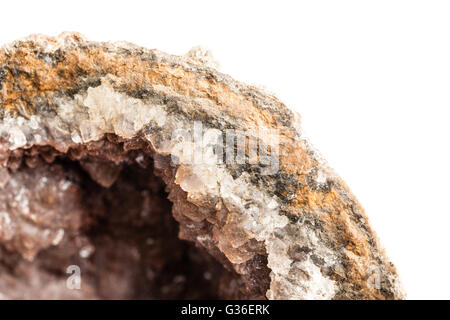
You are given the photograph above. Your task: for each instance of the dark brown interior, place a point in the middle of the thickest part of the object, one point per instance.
(119, 229)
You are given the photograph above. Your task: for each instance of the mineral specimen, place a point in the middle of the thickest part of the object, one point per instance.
(156, 176)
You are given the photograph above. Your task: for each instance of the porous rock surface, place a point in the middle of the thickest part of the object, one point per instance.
(88, 178)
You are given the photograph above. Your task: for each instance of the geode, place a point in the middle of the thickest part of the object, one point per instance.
(158, 177)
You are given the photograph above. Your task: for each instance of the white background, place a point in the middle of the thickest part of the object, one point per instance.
(370, 78)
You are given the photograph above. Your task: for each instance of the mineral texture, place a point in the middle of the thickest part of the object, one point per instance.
(138, 172)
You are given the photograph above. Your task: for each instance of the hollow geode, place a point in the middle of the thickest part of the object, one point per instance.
(89, 177)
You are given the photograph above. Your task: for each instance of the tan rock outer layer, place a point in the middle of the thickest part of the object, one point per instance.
(314, 232)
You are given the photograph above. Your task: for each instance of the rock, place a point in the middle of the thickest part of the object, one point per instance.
(100, 142)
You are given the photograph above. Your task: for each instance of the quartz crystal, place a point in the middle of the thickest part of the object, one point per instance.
(114, 160)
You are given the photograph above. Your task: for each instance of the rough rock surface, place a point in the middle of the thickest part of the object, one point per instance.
(91, 176)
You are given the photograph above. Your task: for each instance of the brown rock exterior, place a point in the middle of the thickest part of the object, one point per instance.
(100, 142)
